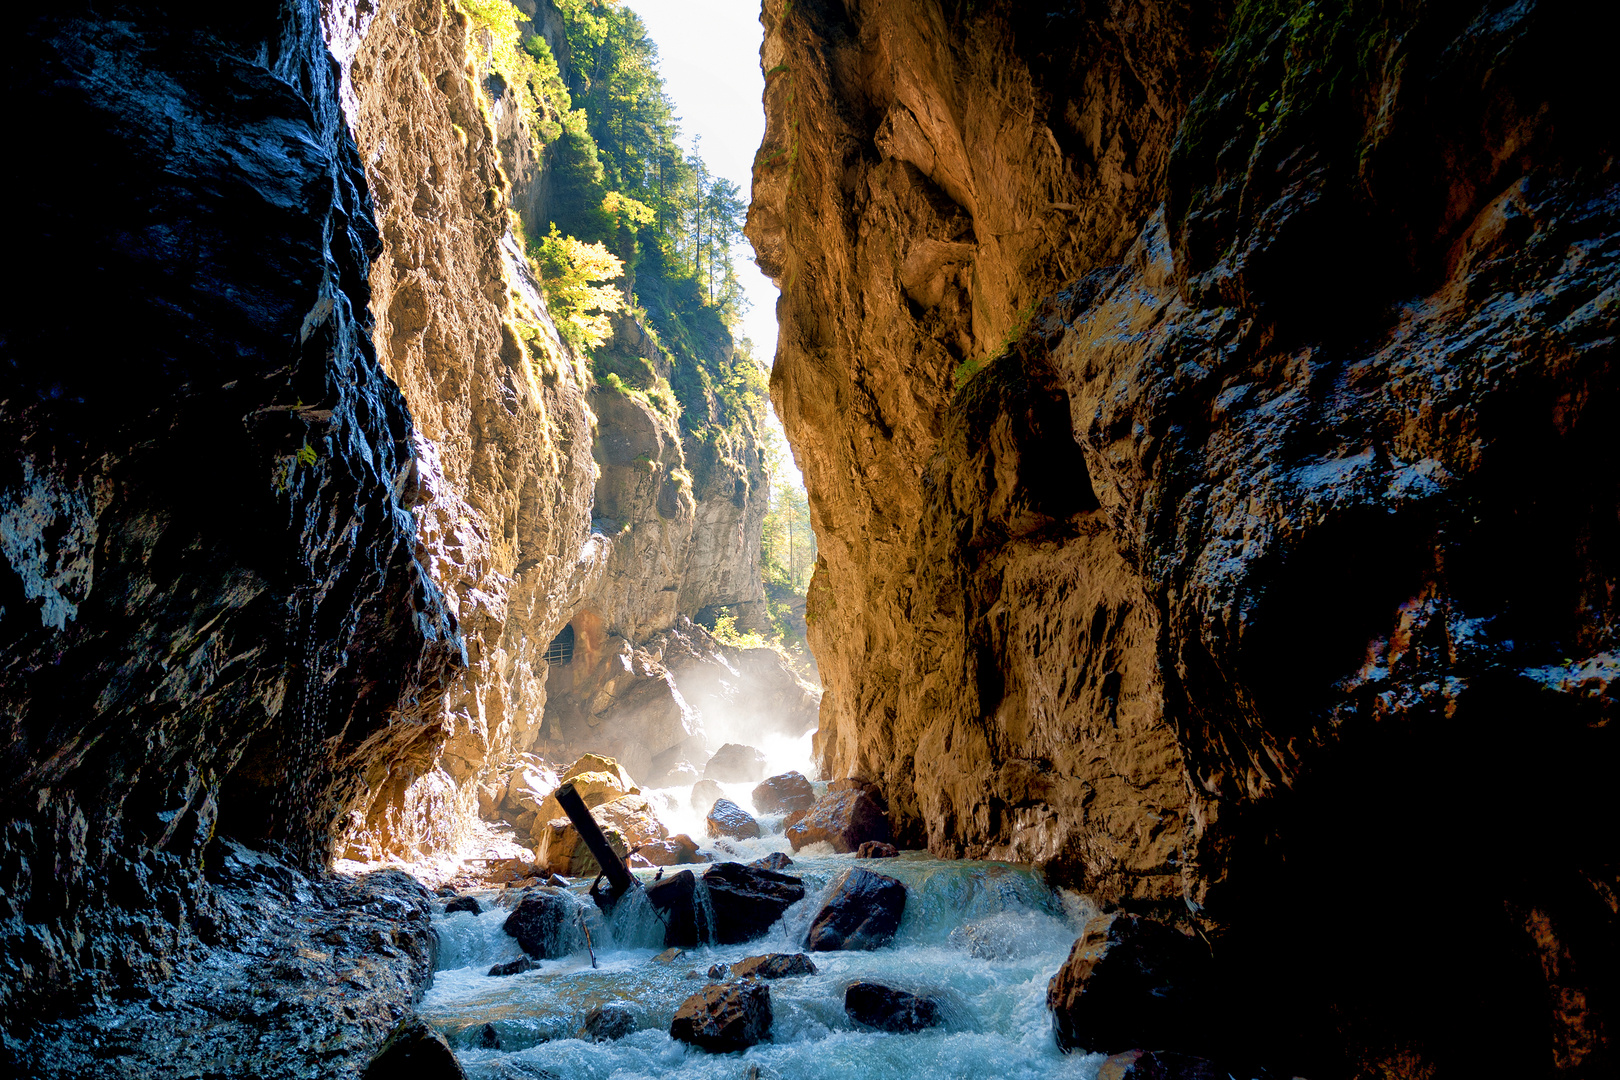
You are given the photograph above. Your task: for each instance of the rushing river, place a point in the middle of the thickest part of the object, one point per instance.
(981, 938)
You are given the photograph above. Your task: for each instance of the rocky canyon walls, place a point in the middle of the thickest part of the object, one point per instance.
(1205, 417)
(217, 620)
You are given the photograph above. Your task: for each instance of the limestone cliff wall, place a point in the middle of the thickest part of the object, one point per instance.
(1268, 574)
(216, 619)
(504, 482)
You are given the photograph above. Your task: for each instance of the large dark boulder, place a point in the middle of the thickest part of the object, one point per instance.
(607, 1023)
(863, 912)
(675, 899)
(888, 1009)
(773, 966)
(726, 818)
(546, 923)
(462, 903)
(735, 763)
(724, 1017)
(784, 794)
(876, 849)
(414, 1052)
(1129, 982)
(845, 819)
(747, 900)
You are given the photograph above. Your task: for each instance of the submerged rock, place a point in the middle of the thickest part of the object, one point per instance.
(785, 793)
(845, 819)
(463, 903)
(1128, 982)
(488, 1038)
(748, 900)
(863, 912)
(607, 1023)
(726, 818)
(888, 1009)
(415, 1050)
(724, 1017)
(877, 849)
(773, 966)
(546, 924)
(705, 793)
(513, 967)
(735, 763)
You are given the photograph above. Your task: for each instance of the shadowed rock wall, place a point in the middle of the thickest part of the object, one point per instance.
(213, 613)
(1268, 575)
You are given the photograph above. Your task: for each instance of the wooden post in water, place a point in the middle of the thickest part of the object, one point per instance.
(619, 878)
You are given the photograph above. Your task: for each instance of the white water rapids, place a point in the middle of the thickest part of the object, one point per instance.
(981, 938)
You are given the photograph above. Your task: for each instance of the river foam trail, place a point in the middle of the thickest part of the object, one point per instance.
(982, 938)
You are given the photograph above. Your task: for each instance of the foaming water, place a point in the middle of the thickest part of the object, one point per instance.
(982, 938)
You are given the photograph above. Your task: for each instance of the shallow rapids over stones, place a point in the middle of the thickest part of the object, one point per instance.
(981, 939)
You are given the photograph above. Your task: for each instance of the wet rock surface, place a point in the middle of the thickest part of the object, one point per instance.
(306, 976)
(606, 1023)
(876, 849)
(415, 1050)
(512, 967)
(462, 903)
(784, 793)
(862, 912)
(1128, 982)
(773, 966)
(748, 900)
(675, 899)
(726, 818)
(776, 860)
(845, 819)
(725, 1017)
(546, 923)
(888, 1009)
(674, 851)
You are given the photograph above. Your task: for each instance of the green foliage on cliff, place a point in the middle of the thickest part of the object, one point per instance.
(618, 177)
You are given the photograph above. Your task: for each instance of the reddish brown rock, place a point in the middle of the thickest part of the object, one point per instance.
(773, 966)
(725, 1017)
(675, 851)
(784, 794)
(1128, 982)
(844, 819)
(876, 849)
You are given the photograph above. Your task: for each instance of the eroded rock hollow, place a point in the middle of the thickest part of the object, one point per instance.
(1207, 417)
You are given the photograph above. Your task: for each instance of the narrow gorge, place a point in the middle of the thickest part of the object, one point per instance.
(1205, 415)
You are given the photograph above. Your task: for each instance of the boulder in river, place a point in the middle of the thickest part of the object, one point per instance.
(876, 849)
(415, 1050)
(784, 794)
(705, 793)
(513, 967)
(597, 763)
(863, 912)
(726, 818)
(773, 966)
(844, 819)
(546, 924)
(888, 1009)
(748, 900)
(1129, 982)
(776, 860)
(560, 849)
(735, 763)
(674, 851)
(487, 1038)
(607, 1023)
(1159, 1065)
(725, 1017)
(462, 903)
(675, 899)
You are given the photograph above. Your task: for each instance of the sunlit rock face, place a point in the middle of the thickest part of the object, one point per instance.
(504, 481)
(1269, 576)
(214, 617)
